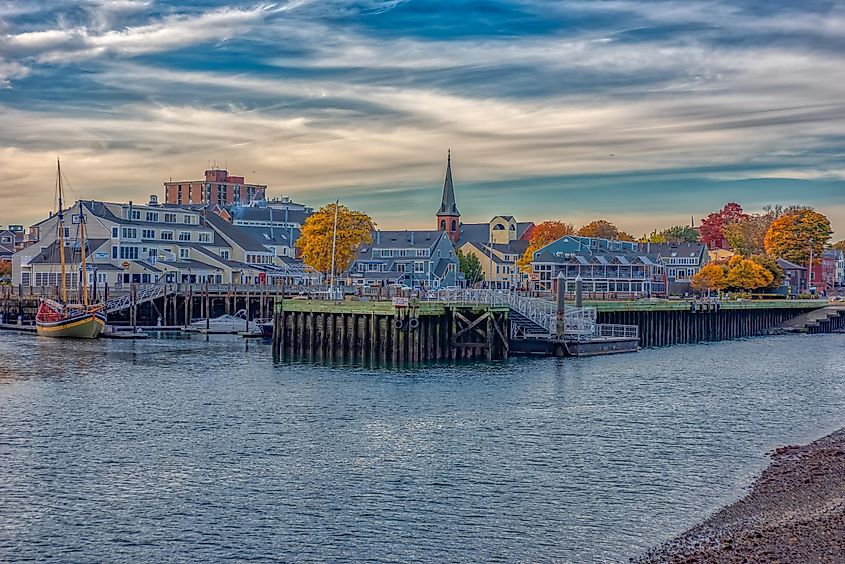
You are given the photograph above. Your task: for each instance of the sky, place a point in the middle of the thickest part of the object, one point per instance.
(647, 113)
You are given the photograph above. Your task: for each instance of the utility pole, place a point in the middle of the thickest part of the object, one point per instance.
(334, 246)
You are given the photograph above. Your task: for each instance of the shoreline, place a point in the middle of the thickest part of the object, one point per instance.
(795, 512)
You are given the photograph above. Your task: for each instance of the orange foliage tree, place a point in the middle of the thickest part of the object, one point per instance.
(603, 229)
(792, 234)
(354, 228)
(746, 274)
(543, 234)
(711, 277)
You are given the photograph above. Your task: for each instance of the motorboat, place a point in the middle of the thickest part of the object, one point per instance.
(237, 323)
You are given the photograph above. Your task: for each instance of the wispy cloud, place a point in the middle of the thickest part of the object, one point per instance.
(362, 97)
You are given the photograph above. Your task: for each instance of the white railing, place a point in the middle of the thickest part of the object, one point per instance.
(579, 322)
(141, 296)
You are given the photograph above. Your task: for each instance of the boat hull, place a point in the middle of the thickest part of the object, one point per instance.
(82, 326)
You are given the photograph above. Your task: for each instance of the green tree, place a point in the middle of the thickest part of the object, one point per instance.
(680, 234)
(746, 236)
(791, 235)
(471, 267)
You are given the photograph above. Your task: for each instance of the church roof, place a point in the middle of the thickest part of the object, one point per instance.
(447, 204)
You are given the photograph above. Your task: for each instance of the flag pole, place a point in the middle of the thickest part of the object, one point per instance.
(334, 246)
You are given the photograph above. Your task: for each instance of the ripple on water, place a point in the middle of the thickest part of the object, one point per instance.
(195, 449)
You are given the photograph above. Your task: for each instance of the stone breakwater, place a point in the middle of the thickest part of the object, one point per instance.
(794, 513)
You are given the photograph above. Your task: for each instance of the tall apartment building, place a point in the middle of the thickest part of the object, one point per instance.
(218, 187)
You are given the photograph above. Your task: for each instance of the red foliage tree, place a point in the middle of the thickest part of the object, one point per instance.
(713, 226)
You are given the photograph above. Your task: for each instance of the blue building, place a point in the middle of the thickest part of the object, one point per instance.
(608, 268)
(417, 259)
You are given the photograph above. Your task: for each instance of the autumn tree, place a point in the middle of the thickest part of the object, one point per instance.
(710, 278)
(772, 266)
(745, 274)
(543, 234)
(838, 246)
(5, 269)
(713, 226)
(354, 228)
(602, 229)
(791, 235)
(471, 267)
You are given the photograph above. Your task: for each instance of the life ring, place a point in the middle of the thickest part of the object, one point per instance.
(413, 323)
(399, 323)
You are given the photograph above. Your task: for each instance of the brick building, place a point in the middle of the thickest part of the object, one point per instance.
(218, 187)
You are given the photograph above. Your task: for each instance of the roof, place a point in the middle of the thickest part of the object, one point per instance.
(675, 249)
(418, 239)
(51, 254)
(185, 264)
(240, 235)
(517, 247)
(218, 258)
(447, 202)
(252, 213)
(480, 232)
(786, 265)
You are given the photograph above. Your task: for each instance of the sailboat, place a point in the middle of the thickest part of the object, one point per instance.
(63, 318)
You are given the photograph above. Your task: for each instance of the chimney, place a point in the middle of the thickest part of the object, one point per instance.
(412, 237)
(378, 237)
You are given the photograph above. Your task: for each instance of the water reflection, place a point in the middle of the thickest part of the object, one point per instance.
(199, 447)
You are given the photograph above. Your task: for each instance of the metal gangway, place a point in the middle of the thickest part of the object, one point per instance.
(143, 295)
(537, 318)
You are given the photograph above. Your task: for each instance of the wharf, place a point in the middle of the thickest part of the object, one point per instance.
(16, 327)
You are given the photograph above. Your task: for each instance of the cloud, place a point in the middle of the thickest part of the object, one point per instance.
(328, 98)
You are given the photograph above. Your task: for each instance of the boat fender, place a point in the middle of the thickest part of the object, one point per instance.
(413, 323)
(399, 323)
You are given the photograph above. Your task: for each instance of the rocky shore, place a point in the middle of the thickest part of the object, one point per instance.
(794, 513)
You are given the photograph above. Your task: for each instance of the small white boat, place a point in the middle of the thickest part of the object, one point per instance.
(226, 324)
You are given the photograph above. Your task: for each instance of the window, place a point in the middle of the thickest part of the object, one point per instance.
(170, 218)
(204, 237)
(26, 278)
(166, 235)
(224, 254)
(134, 214)
(129, 233)
(114, 232)
(187, 219)
(152, 216)
(184, 253)
(129, 252)
(148, 234)
(184, 235)
(454, 225)
(419, 266)
(442, 225)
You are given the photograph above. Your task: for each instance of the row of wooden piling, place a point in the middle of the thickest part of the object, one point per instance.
(402, 337)
(661, 328)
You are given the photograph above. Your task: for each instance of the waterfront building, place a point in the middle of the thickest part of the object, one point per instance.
(823, 274)
(838, 258)
(218, 187)
(417, 259)
(619, 268)
(682, 262)
(794, 278)
(498, 245)
(7, 245)
(129, 243)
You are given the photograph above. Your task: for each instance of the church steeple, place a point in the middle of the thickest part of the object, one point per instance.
(448, 216)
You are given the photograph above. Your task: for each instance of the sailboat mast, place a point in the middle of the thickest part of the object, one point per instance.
(62, 234)
(82, 252)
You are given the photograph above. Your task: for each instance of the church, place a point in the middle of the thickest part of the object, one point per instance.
(498, 244)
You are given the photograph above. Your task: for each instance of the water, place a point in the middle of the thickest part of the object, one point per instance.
(187, 449)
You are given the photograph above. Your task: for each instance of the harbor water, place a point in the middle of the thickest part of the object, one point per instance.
(200, 449)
